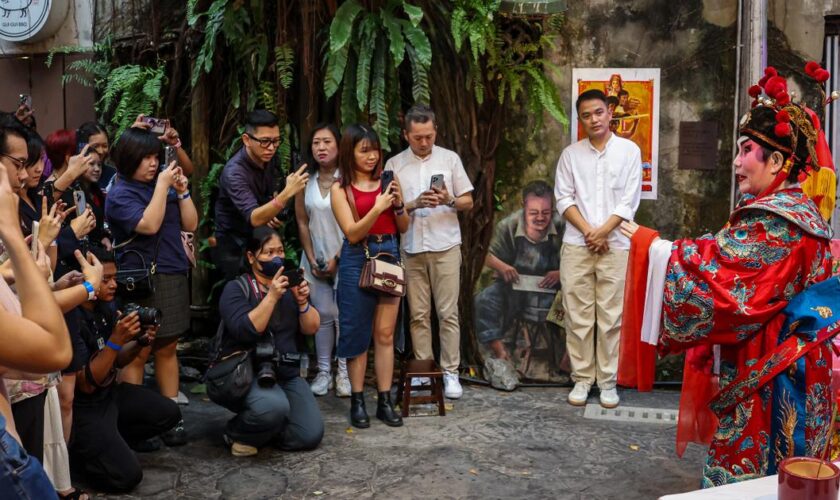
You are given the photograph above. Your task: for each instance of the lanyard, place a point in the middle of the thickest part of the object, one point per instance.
(255, 287)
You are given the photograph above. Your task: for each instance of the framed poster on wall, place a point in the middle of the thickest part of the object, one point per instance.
(633, 98)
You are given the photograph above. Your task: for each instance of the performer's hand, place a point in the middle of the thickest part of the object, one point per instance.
(628, 228)
(550, 280)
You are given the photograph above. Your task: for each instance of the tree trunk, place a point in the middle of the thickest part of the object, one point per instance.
(200, 151)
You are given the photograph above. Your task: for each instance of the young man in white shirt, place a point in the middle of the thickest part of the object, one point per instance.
(431, 247)
(598, 185)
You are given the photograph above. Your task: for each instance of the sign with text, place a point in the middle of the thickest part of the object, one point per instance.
(698, 145)
(31, 20)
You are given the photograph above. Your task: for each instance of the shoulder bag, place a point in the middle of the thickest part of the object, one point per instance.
(136, 283)
(378, 275)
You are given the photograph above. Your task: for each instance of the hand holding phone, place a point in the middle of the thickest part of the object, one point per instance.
(25, 100)
(79, 200)
(386, 178)
(295, 276)
(170, 155)
(156, 125)
(437, 182)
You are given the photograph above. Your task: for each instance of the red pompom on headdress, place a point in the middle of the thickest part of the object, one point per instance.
(811, 67)
(782, 129)
(783, 116)
(754, 91)
(821, 75)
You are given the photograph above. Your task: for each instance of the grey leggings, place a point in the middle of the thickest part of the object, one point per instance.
(322, 296)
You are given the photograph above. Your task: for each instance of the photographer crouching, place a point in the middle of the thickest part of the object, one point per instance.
(111, 418)
(263, 312)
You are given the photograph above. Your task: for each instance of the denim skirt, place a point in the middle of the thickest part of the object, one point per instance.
(356, 307)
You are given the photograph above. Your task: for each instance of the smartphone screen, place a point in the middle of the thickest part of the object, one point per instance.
(158, 125)
(387, 177)
(437, 182)
(79, 200)
(33, 244)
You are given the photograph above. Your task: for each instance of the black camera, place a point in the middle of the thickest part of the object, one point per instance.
(149, 316)
(265, 359)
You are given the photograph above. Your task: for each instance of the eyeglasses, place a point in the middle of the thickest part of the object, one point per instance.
(19, 164)
(266, 141)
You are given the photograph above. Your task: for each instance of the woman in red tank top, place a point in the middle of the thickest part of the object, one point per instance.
(363, 315)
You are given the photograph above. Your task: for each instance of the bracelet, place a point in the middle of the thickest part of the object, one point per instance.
(113, 346)
(177, 145)
(399, 212)
(305, 310)
(276, 203)
(90, 290)
(185, 196)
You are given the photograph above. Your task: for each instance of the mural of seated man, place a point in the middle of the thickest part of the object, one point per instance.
(511, 313)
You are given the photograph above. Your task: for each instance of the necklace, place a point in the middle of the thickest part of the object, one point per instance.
(325, 182)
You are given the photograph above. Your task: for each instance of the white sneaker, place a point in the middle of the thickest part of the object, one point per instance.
(342, 385)
(182, 399)
(609, 398)
(420, 381)
(451, 385)
(322, 384)
(579, 394)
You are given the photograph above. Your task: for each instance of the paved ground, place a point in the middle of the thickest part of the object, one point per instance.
(492, 444)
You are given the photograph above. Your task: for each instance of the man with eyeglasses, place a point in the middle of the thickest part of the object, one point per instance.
(13, 152)
(247, 196)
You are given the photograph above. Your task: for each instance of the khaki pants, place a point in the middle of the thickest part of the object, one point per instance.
(593, 295)
(438, 275)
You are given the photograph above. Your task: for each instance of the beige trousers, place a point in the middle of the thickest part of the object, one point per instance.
(593, 296)
(438, 275)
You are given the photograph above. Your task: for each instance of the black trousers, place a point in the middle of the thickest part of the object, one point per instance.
(29, 422)
(102, 432)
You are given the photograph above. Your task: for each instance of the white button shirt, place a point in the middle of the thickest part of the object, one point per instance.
(430, 229)
(599, 184)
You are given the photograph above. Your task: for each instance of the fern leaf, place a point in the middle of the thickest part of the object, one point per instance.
(415, 13)
(366, 48)
(419, 41)
(395, 36)
(348, 107)
(378, 102)
(336, 63)
(341, 27)
(284, 62)
(419, 78)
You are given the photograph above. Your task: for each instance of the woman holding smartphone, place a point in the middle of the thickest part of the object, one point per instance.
(321, 240)
(364, 314)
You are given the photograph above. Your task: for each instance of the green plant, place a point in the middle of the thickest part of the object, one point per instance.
(366, 49)
(511, 66)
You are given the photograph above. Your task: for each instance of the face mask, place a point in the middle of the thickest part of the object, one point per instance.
(270, 267)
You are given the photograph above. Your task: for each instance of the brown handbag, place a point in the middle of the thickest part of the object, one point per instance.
(378, 275)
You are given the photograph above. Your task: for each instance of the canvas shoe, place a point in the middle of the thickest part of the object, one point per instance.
(609, 398)
(451, 385)
(342, 385)
(579, 394)
(238, 449)
(322, 384)
(181, 399)
(420, 382)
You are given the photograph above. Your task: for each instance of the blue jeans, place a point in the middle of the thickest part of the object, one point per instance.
(285, 414)
(356, 307)
(21, 476)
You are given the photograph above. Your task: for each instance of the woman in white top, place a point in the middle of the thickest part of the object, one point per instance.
(321, 238)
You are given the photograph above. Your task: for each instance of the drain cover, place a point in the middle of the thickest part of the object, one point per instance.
(631, 414)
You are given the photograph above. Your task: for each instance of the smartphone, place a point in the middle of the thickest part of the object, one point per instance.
(387, 177)
(437, 182)
(158, 125)
(295, 276)
(25, 100)
(80, 147)
(170, 154)
(49, 192)
(33, 244)
(79, 200)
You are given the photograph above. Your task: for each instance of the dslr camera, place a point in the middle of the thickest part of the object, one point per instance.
(266, 358)
(149, 316)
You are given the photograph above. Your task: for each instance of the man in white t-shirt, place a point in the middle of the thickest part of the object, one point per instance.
(598, 185)
(435, 181)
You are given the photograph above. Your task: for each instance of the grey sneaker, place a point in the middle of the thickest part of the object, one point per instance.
(342, 385)
(322, 384)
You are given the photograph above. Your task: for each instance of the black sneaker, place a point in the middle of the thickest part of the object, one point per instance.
(176, 436)
(147, 446)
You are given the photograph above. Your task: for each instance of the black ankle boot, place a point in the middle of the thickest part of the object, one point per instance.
(385, 410)
(358, 413)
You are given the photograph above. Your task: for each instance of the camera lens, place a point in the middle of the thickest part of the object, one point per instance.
(265, 374)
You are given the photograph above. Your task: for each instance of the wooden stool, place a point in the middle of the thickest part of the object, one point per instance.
(418, 369)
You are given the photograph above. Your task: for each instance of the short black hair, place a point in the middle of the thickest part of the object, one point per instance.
(260, 118)
(132, 146)
(538, 188)
(10, 126)
(590, 95)
(623, 92)
(419, 113)
(104, 256)
(256, 240)
(612, 100)
(87, 129)
(34, 147)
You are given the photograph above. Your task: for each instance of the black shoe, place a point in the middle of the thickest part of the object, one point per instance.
(358, 413)
(146, 446)
(176, 436)
(385, 410)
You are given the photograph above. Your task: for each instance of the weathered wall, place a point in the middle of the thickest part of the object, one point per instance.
(692, 42)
